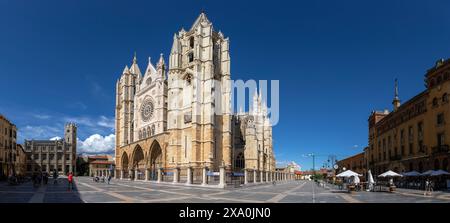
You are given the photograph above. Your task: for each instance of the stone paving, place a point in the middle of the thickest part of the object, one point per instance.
(123, 191)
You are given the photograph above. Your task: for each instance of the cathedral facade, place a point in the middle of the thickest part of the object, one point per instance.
(178, 117)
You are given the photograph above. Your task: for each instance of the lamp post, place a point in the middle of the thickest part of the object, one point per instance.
(314, 161)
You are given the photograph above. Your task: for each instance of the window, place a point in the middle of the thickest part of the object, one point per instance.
(435, 102)
(440, 119)
(402, 136)
(191, 42)
(411, 133)
(411, 148)
(191, 57)
(439, 80)
(420, 130)
(240, 161)
(421, 148)
(440, 139)
(445, 98)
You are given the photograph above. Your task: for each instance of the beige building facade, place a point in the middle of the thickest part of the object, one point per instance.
(50, 155)
(415, 135)
(177, 119)
(9, 149)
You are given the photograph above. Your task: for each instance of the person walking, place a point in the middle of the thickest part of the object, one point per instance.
(109, 178)
(70, 179)
(45, 176)
(428, 188)
(55, 176)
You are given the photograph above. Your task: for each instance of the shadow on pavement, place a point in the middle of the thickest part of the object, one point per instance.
(60, 192)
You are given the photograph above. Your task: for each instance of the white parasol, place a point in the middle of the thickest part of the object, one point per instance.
(389, 173)
(371, 181)
(348, 173)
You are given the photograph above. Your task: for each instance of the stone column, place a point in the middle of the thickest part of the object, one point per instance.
(121, 174)
(204, 181)
(130, 174)
(136, 174)
(189, 175)
(176, 175)
(147, 174)
(159, 175)
(245, 176)
(261, 175)
(222, 177)
(254, 176)
(267, 176)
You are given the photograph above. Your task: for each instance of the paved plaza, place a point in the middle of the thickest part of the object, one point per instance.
(123, 191)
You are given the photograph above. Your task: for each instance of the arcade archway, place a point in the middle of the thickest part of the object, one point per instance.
(155, 160)
(138, 163)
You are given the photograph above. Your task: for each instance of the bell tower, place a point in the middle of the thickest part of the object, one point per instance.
(199, 95)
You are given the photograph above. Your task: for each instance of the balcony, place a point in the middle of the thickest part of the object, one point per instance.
(440, 149)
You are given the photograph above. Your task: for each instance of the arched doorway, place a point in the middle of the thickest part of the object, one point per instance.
(138, 163)
(155, 160)
(240, 162)
(125, 165)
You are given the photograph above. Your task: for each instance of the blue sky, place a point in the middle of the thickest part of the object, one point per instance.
(336, 61)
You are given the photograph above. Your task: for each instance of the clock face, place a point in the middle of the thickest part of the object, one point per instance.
(147, 110)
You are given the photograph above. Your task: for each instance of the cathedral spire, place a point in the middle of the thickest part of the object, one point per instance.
(201, 18)
(150, 68)
(134, 69)
(126, 70)
(161, 66)
(175, 45)
(161, 61)
(396, 101)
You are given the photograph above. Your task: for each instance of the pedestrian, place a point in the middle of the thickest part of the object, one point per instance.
(109, 178)
(45, 178)
(428, 187)
(55, 176)
(70, 179)
(39, 178)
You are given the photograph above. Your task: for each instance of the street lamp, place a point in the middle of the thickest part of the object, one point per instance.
(314, 161)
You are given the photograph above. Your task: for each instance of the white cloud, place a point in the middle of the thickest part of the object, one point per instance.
(97, 144)
(56, 138)
(38, 132)
(40, 116)
(80, 121)
(106, 122)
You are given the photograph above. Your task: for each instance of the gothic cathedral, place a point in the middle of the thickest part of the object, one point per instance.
(179, 116)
